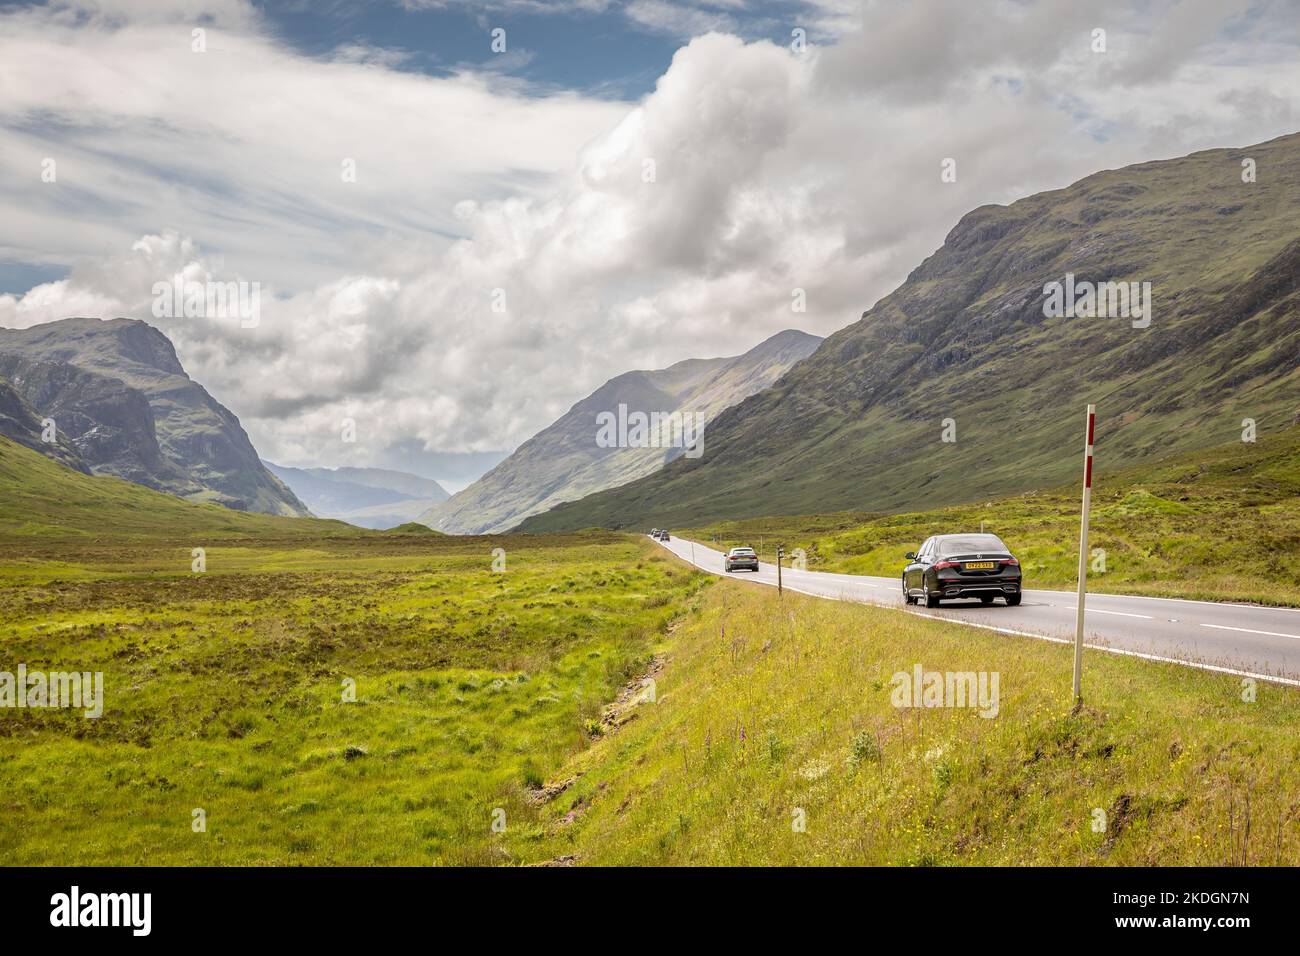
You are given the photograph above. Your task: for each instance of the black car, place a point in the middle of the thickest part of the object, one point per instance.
(962, 566)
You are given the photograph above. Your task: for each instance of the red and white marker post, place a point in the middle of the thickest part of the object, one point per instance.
(1083, 557)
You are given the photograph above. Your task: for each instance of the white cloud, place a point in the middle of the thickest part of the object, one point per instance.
(678, 19)
(771, 171)
(243, 145)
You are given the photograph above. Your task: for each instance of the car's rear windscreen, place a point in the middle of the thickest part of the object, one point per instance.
(972, 544)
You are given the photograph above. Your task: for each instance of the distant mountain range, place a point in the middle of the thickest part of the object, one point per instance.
(368, 497)
(122, 405)
(970, 348)
(565, 461)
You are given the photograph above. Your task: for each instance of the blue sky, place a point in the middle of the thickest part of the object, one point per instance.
(610, 52)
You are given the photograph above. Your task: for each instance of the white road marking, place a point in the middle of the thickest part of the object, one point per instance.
(1103, 595)
(1117, 650)
(1247, 630)
(1097, 610)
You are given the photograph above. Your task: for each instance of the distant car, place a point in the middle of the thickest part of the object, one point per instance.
(739, 558)
(962, 566)
(654, 533)
(665, 536)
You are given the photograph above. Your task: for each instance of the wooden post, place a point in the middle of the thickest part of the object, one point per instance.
(1083, 558)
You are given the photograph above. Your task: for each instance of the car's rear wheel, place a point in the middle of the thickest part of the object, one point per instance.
(931, 600)
(1013, 600)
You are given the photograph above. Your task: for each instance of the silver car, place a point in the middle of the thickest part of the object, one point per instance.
(738, 559)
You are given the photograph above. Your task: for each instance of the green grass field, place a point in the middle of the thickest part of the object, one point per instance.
(1222, 524)
(225, 692)
(224, 689)
(481, 729)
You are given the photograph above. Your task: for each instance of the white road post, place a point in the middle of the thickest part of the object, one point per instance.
(1083, 557)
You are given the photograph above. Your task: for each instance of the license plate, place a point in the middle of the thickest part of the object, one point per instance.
(979, 565)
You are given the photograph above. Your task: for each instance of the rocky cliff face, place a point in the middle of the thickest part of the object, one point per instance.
(20, 423)
(118, 394)
(109, 423)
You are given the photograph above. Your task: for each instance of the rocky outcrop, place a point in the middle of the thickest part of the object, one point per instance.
(118, 394)
(19, 423)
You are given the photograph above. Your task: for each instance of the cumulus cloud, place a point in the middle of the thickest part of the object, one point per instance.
(609, 236)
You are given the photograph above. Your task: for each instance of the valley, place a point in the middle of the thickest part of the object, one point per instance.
(347, 665)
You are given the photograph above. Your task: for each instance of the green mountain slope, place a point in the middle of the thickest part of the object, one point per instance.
(859, 424)
(564, 462)
(41, 499)
(116, 389)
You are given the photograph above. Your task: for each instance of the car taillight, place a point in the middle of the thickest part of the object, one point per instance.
(1012, 561)
(947, 564)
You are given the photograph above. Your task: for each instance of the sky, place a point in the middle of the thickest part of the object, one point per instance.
(463, 216)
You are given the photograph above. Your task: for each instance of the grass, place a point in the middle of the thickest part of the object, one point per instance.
(1223, 524)
(771, 711)
(226, 690)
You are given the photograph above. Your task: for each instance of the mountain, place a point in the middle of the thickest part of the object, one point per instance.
(42, 500)
(21, 424)
(565, 461)
(117, 392)
(368, 497)
(859, 424)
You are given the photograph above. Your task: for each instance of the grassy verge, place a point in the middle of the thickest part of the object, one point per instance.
(771, 711)
(1217, 525)
(225, 689)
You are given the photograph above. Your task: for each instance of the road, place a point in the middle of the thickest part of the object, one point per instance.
(1241, 639)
